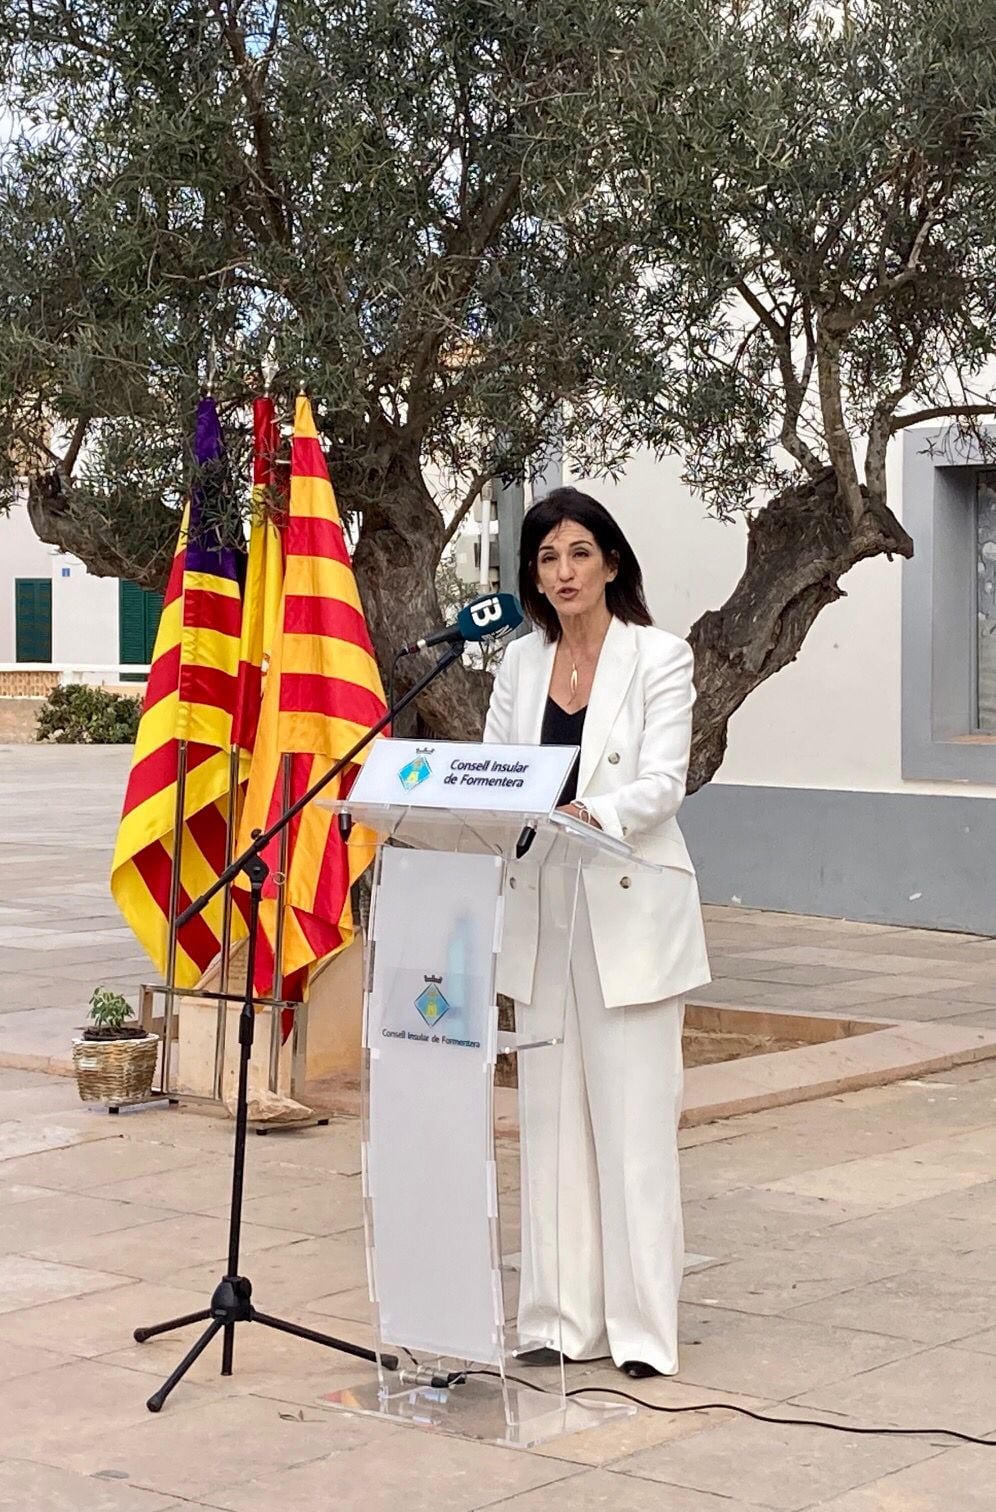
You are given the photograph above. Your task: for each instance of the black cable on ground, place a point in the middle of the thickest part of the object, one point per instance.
(455, 1377)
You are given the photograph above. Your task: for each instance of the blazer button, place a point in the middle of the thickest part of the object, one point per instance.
(613, 758)
(624, 882)
(511, 881)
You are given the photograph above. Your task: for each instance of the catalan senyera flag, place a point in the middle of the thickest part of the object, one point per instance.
(264, 581)
(323, 691)
(190, 697)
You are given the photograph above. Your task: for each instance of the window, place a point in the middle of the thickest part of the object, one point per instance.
(138, 621)
(985, 604)
(949, 609)
(33, 619)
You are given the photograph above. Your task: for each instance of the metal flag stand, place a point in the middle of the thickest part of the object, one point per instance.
(166, 1022)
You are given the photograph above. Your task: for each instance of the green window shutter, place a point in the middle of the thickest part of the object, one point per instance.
(153, 608)
(138, 622)
(33, 619)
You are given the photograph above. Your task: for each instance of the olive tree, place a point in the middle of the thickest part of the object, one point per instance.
(817, 244)
(755, 235)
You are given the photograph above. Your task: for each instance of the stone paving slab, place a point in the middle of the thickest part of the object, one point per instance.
(812, 1465)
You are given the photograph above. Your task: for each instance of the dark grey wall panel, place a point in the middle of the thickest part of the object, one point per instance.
(888, 858)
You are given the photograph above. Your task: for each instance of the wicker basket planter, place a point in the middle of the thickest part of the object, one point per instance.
(115, 1071)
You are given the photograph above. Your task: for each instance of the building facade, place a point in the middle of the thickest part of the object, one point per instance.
(859, 781)
(60, 622)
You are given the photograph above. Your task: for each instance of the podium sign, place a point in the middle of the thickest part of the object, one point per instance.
(431, 1033)
(461, 775)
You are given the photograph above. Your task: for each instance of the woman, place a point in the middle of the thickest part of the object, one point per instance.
(602, 1248)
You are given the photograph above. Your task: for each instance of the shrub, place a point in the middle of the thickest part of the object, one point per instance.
(79, 715)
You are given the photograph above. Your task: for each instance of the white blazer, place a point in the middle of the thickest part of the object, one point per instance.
(646, 926)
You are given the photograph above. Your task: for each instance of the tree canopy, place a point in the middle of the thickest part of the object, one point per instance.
(759, 235)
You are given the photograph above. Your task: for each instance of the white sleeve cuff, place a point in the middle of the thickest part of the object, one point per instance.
(604, 810)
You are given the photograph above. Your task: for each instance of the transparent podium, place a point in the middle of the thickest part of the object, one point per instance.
(462, 1228)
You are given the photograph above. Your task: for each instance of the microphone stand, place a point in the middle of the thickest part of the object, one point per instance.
(232, 1302)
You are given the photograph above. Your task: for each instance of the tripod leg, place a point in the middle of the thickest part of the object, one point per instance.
(157, 1398)
(227, 1349)
(390, 1361)
(141, 1334)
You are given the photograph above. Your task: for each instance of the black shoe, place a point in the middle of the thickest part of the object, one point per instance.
(542, 1356)
(638, 1370)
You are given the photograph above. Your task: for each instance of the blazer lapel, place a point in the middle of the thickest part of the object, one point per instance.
(613, 675)
(535, 673)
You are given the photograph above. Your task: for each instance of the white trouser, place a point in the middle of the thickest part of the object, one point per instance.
(602, 1237)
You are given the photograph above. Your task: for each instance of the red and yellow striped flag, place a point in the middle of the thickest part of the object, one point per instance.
(190, 697)
(323, 690)
(264, 581)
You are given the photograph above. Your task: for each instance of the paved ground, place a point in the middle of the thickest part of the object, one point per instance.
(866, 971)
(61, 935)
(854, 1280)
(853, 1242)
(60, 932)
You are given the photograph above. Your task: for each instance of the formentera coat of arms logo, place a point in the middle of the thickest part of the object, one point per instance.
(431, 1003)
(415, 771)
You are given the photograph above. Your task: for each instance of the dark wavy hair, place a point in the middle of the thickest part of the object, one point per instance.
(624, 596)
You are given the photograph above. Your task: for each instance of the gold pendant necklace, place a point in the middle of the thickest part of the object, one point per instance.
(574, 680)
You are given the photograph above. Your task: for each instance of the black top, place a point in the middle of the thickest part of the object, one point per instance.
(561, 728)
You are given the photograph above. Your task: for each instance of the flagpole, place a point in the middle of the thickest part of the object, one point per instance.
(231, 829)
(276, 1014)
(179, 811)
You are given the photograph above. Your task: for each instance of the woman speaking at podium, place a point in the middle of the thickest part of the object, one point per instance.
(602, 1243)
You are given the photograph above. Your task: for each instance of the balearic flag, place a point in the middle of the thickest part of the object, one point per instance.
(190, 697)
(323, 691)
(264, 581)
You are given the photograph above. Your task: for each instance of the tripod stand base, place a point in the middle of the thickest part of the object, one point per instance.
(232, 1303)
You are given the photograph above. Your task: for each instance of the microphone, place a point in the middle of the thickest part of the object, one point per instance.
(492, 614)
(527, 835)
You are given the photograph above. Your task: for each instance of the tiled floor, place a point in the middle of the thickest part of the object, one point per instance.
(852, 1242)
(851, 1278)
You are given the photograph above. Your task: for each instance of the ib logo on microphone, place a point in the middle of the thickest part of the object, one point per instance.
(485, 611)
(415, 771)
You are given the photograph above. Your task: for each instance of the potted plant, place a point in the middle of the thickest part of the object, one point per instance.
(115, 1061)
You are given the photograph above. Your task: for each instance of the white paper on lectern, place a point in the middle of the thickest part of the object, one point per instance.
(463, 774)
(431, 1035)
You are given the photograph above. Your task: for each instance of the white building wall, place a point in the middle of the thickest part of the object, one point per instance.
(831, 720)
(22, 555)
(84, 608)
(84, 615)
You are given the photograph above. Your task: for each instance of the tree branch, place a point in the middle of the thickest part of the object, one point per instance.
(794, 389)
(941, 412)
(76, 445)
(276, 210)
(462, 257)
(468, 501)
(835, 426)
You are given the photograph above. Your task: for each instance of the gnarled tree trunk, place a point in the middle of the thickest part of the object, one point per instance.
(395, 564)
(107, 546)
(798, 548)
